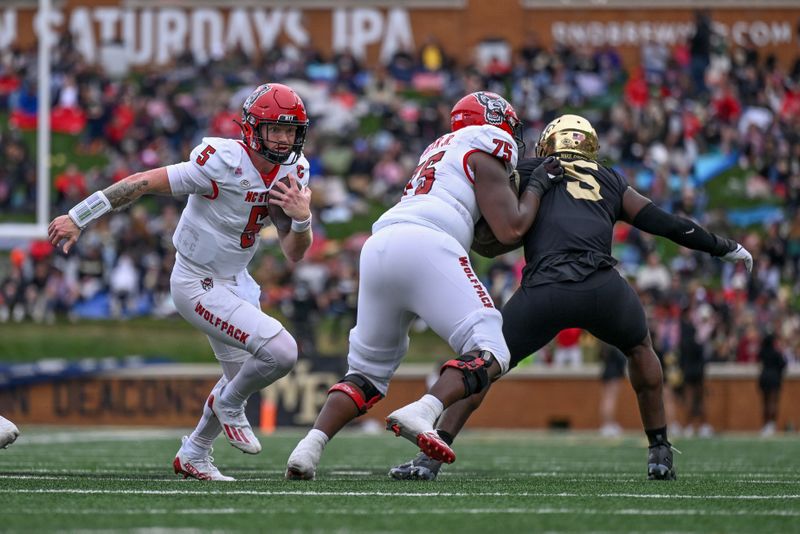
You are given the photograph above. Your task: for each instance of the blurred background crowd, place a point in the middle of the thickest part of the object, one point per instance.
(707, 129)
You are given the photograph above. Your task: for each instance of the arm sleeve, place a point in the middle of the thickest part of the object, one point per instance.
(622, 184)
(682, 231)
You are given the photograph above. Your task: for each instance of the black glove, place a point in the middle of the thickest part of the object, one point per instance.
(543, 177)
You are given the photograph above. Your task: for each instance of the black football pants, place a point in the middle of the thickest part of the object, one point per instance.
(604, 304)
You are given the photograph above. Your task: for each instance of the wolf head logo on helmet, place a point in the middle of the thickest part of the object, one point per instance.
(484, 107)
(495, 107)
(568, 134)
(274, 104)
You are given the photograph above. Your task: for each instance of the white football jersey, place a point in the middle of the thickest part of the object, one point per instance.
(441, 192)
(227, 206)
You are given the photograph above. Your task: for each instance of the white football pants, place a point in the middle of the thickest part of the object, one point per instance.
(226, 309)
(408, 270)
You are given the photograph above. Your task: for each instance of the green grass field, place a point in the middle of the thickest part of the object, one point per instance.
(147, 336)
(87, 479)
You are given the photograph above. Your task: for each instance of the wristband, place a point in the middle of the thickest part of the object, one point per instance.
(91, 208)
(301, 226)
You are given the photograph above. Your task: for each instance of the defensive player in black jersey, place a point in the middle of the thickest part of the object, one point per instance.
(569, 280)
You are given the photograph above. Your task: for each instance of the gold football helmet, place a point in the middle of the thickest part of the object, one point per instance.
(571, 134)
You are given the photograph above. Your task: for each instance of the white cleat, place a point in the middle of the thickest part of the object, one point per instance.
(201, 468)
(235, 426)
(411, 423)
(8, 432)
(302, 463)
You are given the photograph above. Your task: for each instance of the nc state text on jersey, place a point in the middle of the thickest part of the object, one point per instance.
(256, 197)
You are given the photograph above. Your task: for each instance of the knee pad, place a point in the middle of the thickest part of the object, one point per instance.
(280, 350)
(364, 401)
(473, 368)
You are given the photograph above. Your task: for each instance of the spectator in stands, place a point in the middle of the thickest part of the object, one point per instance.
(567, 351)
(700, 50)
(17, 178)
(11, 297)
(653, 276)
(773, 366)
(124, 286)
(693, 363)
(749, 344)
(70, 187)
(302, 310)
(614, 363)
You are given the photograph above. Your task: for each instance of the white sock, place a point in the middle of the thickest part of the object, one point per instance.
(317, 436)
(254, 376)
(433, 405)
(206, 431)
(208, 428)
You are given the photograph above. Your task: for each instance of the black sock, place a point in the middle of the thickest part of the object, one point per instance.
(656, 435)
(446, 436)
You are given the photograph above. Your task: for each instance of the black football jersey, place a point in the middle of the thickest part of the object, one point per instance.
(571, 236)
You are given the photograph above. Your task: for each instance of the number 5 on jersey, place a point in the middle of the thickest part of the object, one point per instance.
(582, 186)
(204, 154)
(257, 219)
(424, 175)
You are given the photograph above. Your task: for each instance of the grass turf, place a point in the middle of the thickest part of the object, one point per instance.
(55, 479)
(149, 336)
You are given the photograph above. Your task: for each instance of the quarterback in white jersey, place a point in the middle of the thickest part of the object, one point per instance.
(416, 264)
(232, 185)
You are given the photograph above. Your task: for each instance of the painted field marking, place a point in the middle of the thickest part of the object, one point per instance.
(432, 511)
(277, 475)
(96, 436)
(266, 493)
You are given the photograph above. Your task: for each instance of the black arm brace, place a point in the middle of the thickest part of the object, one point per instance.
(684, 232)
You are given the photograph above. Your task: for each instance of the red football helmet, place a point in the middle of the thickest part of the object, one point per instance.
(274, 103)
(484, 107)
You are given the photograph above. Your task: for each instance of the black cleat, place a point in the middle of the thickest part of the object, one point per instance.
(659, 462)
(422, 467)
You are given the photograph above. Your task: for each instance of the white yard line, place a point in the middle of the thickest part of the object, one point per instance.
(266, 493)
(433, 511)
(276, 475)
(97, 436)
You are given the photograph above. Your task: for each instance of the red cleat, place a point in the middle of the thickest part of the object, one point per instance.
(428, 441)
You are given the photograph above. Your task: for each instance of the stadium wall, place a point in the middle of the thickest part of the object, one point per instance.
(532, 398)
(152, 32)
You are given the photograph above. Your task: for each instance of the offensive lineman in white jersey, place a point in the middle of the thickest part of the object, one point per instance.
(416, 265)
(227, 182)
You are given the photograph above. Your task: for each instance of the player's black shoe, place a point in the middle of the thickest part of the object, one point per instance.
(422, 467)
(659, 462)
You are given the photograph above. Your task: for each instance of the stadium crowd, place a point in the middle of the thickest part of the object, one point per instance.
(670, 124)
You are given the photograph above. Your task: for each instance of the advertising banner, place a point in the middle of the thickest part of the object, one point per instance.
(155, 33)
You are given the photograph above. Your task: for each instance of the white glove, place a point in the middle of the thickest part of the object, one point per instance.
(739, 253)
